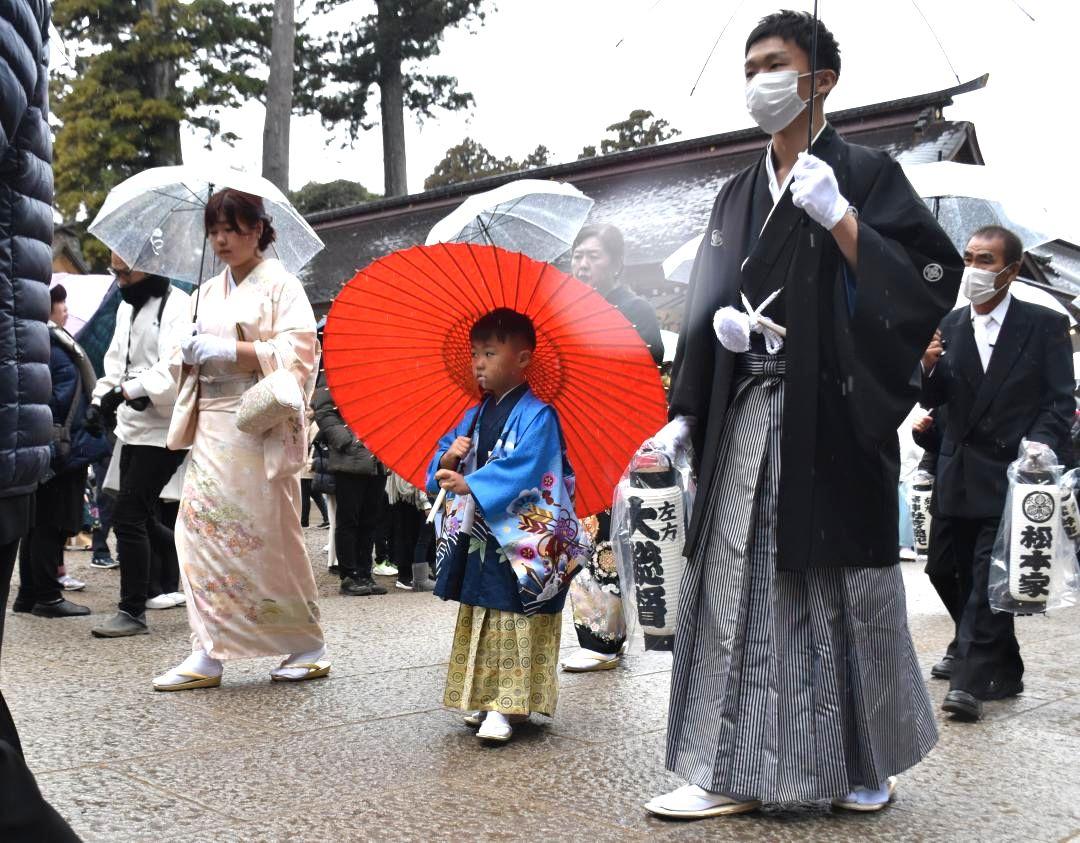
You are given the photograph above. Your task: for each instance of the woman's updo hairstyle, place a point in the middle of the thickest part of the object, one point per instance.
(240, 210)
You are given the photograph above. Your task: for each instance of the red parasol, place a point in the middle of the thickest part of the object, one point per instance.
(398, 363)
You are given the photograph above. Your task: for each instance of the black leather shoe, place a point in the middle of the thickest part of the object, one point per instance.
(962, 706)
(372, 587)
(353, 587)
(943, 669)
(1003, 690)
(22, 607)
(60, 609)
(120, 625)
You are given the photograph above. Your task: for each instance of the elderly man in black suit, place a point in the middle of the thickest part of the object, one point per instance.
(1007, 375)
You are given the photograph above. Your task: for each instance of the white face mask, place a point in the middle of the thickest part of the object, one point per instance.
(979, 285)
(773, 99)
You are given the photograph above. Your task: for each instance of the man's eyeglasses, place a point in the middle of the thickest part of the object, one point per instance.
(120, 273)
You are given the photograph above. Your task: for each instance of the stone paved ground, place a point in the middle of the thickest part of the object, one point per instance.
(369, 754)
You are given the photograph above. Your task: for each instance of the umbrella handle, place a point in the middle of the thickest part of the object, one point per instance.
(442, 492)
(436, 506)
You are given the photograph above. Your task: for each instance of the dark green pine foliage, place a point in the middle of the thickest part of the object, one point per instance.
(385, 49)
(134, 71)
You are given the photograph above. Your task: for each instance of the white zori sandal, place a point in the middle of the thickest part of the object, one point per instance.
(302, 666)
(691, 802)
(867, 799)
(196, 671)
(586, 661)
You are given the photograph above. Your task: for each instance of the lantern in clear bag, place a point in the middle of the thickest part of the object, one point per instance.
(648, 532)
(1034, 561)
(922, 489)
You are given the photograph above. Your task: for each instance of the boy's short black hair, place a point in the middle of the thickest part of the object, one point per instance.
(504, 324)
(1014, 246)
(57, 294)
(798, 28)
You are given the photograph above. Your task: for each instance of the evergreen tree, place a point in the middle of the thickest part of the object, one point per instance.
(640, 129)
(140, 69)
(318, 196)
(539, 157)
(470, 160)
(467, 161)
(384, 49)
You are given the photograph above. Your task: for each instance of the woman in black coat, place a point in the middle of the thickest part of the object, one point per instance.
(59, 500)
(359, 489)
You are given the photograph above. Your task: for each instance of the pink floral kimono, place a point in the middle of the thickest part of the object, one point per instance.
(250, 589)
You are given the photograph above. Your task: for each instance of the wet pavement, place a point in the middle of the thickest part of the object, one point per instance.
(369, 753)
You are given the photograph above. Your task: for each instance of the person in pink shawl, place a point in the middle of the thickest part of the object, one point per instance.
(245, 570)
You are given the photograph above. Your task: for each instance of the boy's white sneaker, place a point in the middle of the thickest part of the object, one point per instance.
(495, 728)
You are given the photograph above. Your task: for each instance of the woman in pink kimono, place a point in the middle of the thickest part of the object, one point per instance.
(249, 586)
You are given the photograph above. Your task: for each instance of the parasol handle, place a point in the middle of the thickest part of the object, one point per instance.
(439, 500)
(441, 497)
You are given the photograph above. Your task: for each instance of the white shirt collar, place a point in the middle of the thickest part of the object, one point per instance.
(775, 189)
(998, 313)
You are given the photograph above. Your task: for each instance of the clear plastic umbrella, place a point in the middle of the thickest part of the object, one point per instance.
(965, 197)
(678, 264)
(538, 218)
(154, 221)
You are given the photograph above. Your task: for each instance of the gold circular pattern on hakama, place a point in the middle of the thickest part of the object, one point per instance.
(504, 661)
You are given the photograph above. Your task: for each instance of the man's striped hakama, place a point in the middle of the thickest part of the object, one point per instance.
(786, 686)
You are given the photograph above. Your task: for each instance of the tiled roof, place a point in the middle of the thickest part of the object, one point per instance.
(660, 197)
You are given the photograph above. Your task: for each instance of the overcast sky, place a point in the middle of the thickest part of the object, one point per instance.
(549, 71)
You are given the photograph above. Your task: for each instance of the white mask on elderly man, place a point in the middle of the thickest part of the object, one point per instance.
(773, 99)
(979, 285)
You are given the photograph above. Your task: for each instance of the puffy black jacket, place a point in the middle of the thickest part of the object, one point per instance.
(69, 385)
(26, 195)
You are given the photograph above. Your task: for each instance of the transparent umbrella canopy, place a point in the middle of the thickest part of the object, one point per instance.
(536, 217)
(965, 197)
(154, 221)
(678, 265)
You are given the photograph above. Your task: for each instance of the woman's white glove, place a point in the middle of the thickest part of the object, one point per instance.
(203, 348)
(673, 437)
(814, 189)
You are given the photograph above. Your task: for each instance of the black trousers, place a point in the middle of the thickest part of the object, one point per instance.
(307, 495)
(58, 506)
(40, 555)
(165, 570)
(8, 552)
(144, 471)
(405, 523)
(941, 569)
(987, 650)
(105, 502)
(359, 499)
(383, 529)
(24, 813)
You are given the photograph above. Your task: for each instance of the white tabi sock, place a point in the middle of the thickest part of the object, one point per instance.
(298, 658)
(198, 662)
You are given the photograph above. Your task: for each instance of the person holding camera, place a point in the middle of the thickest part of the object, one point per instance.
(136, 396)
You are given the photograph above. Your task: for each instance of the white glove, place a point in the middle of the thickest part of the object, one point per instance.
(814, 189)
(672, 438)
(202, 348)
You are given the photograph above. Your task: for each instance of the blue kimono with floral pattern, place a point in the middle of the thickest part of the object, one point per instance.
(515, 543)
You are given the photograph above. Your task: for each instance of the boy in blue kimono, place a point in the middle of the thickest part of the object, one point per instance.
(509, 540)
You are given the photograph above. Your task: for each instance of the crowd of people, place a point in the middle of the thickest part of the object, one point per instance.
(792, 620)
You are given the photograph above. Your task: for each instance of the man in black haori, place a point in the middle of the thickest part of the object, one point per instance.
(823, 277)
